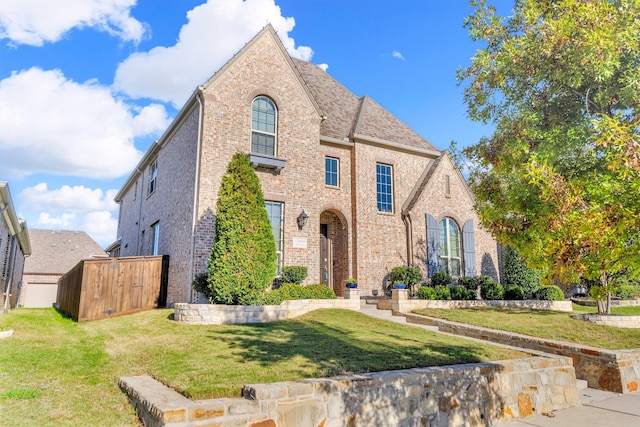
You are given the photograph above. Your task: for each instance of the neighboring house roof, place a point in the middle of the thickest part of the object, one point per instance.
(15, 225)
(58, 251)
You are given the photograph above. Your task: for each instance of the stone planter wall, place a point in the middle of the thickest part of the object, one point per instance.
(611, 370)
(614, 302)
(462, 395)
(400, 302)
(610, 320)
(217, 314)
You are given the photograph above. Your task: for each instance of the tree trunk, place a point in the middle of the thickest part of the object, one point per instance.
(608, 302)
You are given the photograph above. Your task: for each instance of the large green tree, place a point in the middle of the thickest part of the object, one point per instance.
(559, 178)
(243, 257)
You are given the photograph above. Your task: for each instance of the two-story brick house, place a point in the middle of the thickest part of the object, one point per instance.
(375, 194)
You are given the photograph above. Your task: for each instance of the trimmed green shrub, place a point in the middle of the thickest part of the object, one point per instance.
(491, 290)
(426, 292)
(200, 283)
(517, 273)
(550, 293)
(440, 278)
(459, 292)
(470, 283)
(293, 274)
(513, 292)
(242, 264)
(410, 276)
(320, 291)
(442, 292)
(626, 291)
(293, 291)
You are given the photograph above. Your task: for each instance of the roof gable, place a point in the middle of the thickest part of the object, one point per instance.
(58, 251)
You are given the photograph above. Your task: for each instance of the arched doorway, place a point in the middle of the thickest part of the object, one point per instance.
(334, 250)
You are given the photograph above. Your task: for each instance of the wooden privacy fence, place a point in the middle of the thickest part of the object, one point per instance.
(100, 288)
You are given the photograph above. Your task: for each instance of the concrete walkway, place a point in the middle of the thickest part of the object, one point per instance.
(598, 408)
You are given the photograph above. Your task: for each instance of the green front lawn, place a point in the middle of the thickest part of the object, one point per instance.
(58, 372)
(547, 324)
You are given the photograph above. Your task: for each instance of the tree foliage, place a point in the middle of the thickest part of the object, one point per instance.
(243, 257)
(558, 179)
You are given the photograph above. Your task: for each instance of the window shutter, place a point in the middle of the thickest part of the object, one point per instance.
(469, 249)
(433, 245)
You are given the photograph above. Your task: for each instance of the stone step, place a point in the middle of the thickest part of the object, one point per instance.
(582, 384)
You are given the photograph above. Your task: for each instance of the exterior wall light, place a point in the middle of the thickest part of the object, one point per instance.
(302, 219)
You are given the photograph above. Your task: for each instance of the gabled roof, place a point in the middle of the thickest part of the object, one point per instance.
(348, 117)
(58, 251)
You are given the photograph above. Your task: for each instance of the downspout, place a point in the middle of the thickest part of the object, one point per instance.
(408, 225)
(9, 277)
(141, 187)
(196, 191)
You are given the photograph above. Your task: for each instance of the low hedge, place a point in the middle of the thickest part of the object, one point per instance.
(293, 291)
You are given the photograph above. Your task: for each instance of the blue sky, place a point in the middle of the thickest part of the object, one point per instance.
(87, 85)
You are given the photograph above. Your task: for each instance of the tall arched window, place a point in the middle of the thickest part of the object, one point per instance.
(450, 246)
(263, 126)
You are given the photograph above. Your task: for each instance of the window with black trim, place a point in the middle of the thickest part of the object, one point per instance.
(384, 187)
(331, 171)
(155, 243)
(263, 126)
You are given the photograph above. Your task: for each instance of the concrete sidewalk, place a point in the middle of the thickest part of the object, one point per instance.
(598, 408)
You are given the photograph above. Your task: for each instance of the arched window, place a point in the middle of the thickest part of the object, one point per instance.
(263, 126)
(450, 246)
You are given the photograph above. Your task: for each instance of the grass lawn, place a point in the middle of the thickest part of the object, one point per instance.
(58, 372)
(547, 324)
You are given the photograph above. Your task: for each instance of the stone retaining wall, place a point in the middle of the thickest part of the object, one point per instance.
(217, 314)
(611, 370)
(614, 302)
(460, 395)
(400, 302)
(610, 320)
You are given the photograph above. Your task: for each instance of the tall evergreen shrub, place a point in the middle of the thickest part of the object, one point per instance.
(517, 273)
(243, 257)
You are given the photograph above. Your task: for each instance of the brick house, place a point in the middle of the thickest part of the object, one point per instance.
(375, 193)
(54, 253)
(15, 246)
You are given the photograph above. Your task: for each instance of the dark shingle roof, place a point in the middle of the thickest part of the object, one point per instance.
(348, 115)
(56, 252)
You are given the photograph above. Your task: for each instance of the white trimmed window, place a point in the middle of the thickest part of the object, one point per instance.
(263, 126)
(384, 187)
(153, 174)
(331, 171)
(276, 217)
(155, 243)
(450, 254)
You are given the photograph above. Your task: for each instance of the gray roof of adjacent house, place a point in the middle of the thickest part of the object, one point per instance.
(58, 251)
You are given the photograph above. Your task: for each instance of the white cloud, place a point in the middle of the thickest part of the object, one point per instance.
(324, 67)
(214, 32)
(53, 125)
(34, 22)
(397, 55)
(73, 208)
(72, 199)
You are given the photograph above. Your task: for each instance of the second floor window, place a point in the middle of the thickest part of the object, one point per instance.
(263, 126)
(153, 173)
(384, 187)
(331, 171)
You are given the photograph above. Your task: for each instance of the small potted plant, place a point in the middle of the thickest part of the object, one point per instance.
(399, 284)
(352, 283)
